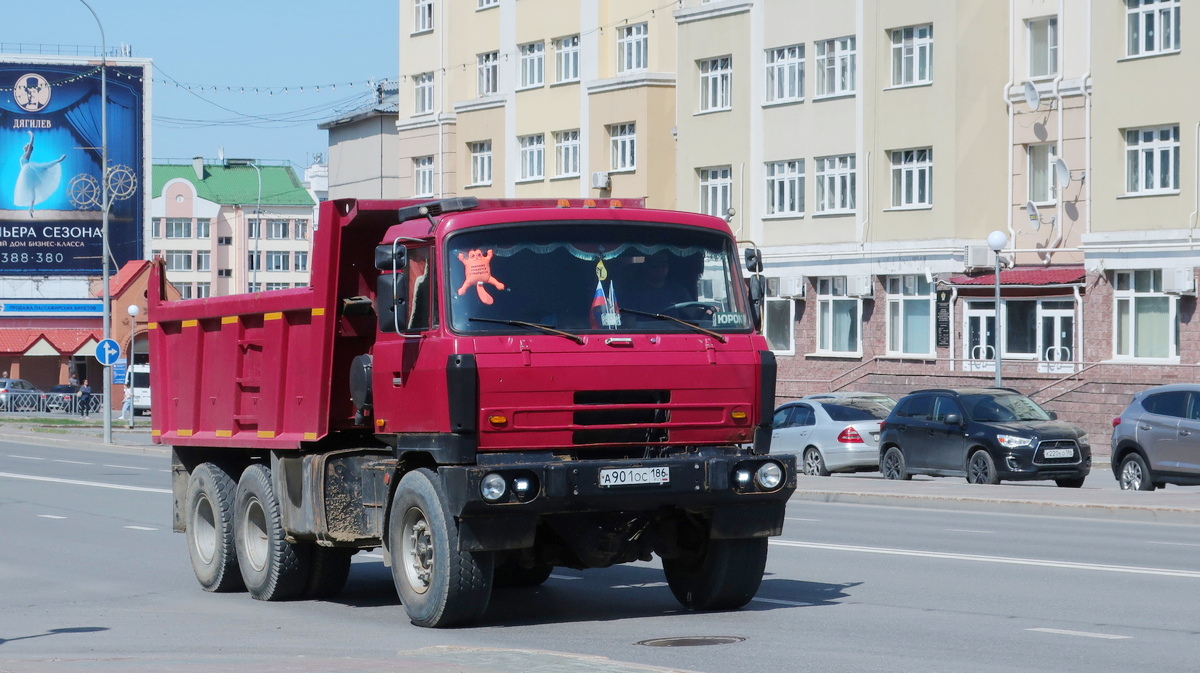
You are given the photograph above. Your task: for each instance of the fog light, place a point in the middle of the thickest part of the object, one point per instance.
(520, 485)
(492, 487)
(742, 477)
(1013, 463)
(769, 476)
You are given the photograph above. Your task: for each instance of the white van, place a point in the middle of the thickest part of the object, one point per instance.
(139, 376)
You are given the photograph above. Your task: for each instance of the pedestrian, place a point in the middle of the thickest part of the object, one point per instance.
(127, 406)
(74, 379)
(85, 399)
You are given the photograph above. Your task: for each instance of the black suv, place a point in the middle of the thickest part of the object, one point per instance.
(984, 434)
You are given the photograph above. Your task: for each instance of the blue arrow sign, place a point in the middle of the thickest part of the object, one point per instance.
(108, 352)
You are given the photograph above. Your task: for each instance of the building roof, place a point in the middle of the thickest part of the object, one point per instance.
(237, 184)
(386, 102)
(17, 340)
(1055, 275)
(126, 275)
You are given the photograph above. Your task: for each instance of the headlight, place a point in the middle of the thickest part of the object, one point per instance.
(1013, 441)
(492, 487)
(768, 476)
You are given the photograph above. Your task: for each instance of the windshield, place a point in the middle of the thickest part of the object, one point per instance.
(859, 409)
(1003, 408)
(593, 277)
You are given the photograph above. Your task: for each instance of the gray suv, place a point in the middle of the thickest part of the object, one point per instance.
(19, 395)
(1156, 440)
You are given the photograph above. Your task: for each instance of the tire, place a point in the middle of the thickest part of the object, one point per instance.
(1134, 475)
(208, 508)
(981, 469)
(725, 576)
(272, 568)
(510, 573)
(438, 585)
(893, 466)
(814, 463)
(1074, 482)
(328, 570)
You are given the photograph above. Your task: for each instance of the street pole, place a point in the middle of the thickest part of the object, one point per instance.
(257, 219)
(997, 240)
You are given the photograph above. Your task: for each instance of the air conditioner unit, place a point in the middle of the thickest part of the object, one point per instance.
(1179, 280)
(978, 257)
(601, 180)
(792, 287)
(859, 286)
(772, 286)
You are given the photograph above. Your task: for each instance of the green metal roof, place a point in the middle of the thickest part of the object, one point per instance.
(231, 185)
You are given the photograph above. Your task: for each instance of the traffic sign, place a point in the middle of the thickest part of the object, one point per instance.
(119, 371)
(107, 352)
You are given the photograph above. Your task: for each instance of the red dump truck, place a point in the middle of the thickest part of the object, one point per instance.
(485, 390)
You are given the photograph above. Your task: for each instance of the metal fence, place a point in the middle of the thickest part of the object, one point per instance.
(26, 402)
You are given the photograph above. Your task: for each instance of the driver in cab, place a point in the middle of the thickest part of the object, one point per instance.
(653, 289)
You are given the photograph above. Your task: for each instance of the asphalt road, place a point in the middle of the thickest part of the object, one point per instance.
(91, 578)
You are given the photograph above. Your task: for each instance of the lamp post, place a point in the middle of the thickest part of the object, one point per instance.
(997, 241)
(107, 324)
(133, 310)
(257, 216)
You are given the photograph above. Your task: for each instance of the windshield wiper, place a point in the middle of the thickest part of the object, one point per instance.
(521, 323)
(660, 316)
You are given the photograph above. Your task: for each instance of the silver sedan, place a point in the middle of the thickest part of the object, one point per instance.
(834, 432)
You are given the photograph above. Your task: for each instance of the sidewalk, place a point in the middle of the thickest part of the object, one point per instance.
(83, 432)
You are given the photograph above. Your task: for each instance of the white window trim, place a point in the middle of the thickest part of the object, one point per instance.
(902, 299)
(566, 57)
(633, 48)
(423, 176)
(1172, 321)
(533, 157)
(824, 330)
(787, 176)
(488, 69)
(1052, 179)
(1157, 9)
(716, 189)
(1053, 57)
(481, 162)
(566, 152)
(423, 93)
(791, 325)
(533, 65)
(782, 70)
(843, 52)
(917, 48)
(1156, 146)
(916, 167)
(622, 137)
(422, 16)
(822, 175)
(716, 84)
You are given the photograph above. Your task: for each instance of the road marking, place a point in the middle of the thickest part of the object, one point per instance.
(796, 518)
(776, 601)
(1071, 565)
(565, 577)
(76, 482)
(140, 528)
(1175, 544)
(1083, 634)
(126, 467)
(50, 516)
(968, 530)
(72, 462)
(27, 457)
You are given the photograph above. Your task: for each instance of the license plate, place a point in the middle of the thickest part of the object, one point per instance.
(1060, 453)
(635, 476)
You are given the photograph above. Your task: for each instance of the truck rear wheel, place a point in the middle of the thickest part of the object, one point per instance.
(328, 570)
(438, 585)
(273, 568)
(209, 511)
(724, 576)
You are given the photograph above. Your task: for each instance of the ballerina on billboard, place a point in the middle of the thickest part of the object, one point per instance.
(37, 180)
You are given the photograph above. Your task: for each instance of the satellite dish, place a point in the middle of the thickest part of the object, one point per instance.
(1035, 218)
(1062, 172)
(1032, 98)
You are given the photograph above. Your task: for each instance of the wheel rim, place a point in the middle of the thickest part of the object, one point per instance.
(812, 462)
(417, 550)
(1131, 476)
(255, 538)
(204, 529)
(979, 470)
(891, 466)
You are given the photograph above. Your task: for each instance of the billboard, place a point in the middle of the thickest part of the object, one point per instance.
(50, 164)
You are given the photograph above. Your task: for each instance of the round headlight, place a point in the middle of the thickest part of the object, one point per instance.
(492, 487)
(769, 476)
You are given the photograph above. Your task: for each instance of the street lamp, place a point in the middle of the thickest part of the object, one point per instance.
(997, 241)
(257, 218)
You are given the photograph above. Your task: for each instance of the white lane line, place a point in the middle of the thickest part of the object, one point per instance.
(564, 577)
(72, 462)
(50, 516)
(76, 482)
(968, 530)
(776, 601)
(140, 528)
(1175, 544)
(1071, 565)
(796, 518)
(126, 467)
(1082, 634)
(27, 457)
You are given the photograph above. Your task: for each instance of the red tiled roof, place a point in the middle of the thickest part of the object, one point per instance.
(1055, 275)
(65, 341)
(126, 275)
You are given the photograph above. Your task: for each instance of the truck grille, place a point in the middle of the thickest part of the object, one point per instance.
(1039, 457)
(629, 416)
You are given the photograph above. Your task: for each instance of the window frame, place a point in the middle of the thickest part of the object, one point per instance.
(422, 16)
(785, 182)
(1136, 12)
(278, 230)
(633, 48)
(836, 60)
(278, 260)
(488, 67)
(481, 163)
(789, 333)
(533, 157)
(903, 294)
(1125, 284)
(623, 147)
(1051, 55)
(423, 176)
(784, 72)
(203, 228)
(566, 59)
(716, 83)
(912, 52)
(178, 260)
(178, 227)
(715, 189)
(1047, 181)
(831, 291)
(566, 153)
(908, 168)
(834, 181)
(300, 261)
(423, 93)
(204, 260)
(533, 65)
(1135, 151)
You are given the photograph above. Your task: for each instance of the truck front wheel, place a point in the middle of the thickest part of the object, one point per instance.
(273, 568)
(209, 511)
(723, 576)
(438, 585)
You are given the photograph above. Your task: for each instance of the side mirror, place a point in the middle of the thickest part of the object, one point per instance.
(953, 419)
(753, 260)
(391, 257)
(1053, 415)
(757, 285)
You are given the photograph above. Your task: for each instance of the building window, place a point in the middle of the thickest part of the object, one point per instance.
(785, 74)
(224, 273)
(1146, 321)
(423, 93)
(423, 176)
(484, 4)
(716, 82)
(179, 227)
(909, 315)
(785, 187)
(301, 230)
(566, 59)
(155, 229)
(203, 227)
(632, 48)
(253, 287)
(533, 64)
(1043, 47)
(836, 184)
(481, 162)
(254, 261)
(837, 317)
(301, 260)
(566, 153)
(203, 260)
(203, 290)
(489, 73)
(1042, 182)
(277, 260)
(912, 55)
(253, 229)
(778, 318)
(277, 229)
(277, 286)
(224, 240)
(623, 140)
(185, 290)
(836, 70)
(716, 190)
(1153, 27)
(1152, 160)
(423, 18)
(533, 156)
(912, 178)
(178, 260)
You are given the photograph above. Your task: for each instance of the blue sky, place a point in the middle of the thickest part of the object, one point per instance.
(246, 44)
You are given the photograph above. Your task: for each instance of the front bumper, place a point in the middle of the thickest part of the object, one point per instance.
(1020, 466)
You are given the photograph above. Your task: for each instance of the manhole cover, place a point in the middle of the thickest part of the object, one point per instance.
(691, 641)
